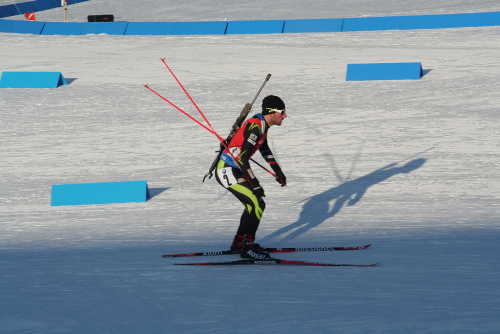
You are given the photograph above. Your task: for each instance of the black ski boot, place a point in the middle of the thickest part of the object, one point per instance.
(254, 251)
(237, 244)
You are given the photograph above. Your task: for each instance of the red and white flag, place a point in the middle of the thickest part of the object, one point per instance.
(30, 16)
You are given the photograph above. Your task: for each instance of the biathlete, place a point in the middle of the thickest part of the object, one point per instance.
(235, 174)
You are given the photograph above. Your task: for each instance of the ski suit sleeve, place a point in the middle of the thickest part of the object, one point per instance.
(251, 135)
(267, 154)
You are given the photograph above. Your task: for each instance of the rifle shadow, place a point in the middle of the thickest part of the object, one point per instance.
(318, 208)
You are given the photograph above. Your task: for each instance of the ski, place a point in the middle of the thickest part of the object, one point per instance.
(272, 250)
(273, 261)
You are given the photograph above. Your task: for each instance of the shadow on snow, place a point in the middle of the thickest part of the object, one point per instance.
(155, 192)
(316, 210)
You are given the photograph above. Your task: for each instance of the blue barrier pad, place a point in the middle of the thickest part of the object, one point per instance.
(110, 28)
(28, 27)
(62, 28)
(150, 28)
(405, 22)
(25, 7)
(313, 25)
(201, 28)
(47, 4)
(8, 10)
(384, 71)
(32, 80)
(6, 25)
(483, 19)
(99, 193)
(255, 27)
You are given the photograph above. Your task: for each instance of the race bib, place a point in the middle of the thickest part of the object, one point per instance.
(226, 177)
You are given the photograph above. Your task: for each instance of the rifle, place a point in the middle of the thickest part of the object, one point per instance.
(235, 127)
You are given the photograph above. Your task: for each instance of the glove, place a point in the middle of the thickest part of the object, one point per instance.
(259, 192)
(281, 178)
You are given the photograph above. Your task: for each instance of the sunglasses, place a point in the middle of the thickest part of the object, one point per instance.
(271, 110)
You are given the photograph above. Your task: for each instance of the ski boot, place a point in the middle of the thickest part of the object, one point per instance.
(237, 244)
(252, 250)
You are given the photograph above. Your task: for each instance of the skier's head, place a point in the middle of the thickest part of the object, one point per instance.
(272, 104)
(273, 110)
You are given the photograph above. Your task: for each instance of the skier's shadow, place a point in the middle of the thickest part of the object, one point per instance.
(317, 208)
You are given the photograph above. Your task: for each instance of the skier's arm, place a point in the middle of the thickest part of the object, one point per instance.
(251, 136)
(267, 154)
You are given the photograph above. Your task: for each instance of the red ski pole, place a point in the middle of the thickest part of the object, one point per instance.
(187, 94)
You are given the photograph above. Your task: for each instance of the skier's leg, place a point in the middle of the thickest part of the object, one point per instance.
(231, 179)
(250, 219)
(249, 222)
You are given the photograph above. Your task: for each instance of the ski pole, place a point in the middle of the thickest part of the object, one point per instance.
(210, 128)
(223, 144)
(189, 96)
(185, 113)
(267, 170)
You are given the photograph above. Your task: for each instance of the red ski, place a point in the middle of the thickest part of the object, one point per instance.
(272, 250)
(274, 262)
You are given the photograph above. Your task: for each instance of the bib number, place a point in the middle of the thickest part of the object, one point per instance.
(227, 178)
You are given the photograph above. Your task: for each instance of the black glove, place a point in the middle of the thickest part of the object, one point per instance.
(281, 178)
(259, 191)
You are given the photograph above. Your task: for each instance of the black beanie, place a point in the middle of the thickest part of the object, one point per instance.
(272, 102)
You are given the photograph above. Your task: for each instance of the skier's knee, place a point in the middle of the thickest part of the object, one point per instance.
(262, 204)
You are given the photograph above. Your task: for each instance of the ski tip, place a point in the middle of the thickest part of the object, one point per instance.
(180, 255)
(371, 265)
(366, 246)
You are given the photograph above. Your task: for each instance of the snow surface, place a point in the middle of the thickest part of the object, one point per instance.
(409, 166)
